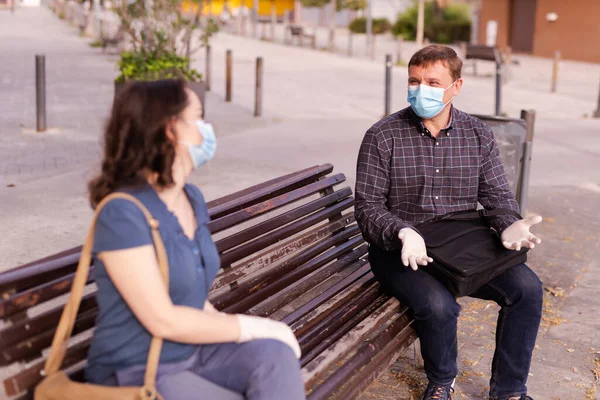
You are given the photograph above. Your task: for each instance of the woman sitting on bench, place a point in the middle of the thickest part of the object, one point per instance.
(155, 138)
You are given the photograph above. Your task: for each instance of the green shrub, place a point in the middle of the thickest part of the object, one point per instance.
(380, 25)
(454, 24)
(142, 66)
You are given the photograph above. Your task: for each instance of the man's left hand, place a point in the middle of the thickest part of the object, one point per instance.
(518, 235)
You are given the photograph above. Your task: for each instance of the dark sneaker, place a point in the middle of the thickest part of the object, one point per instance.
(437, 392)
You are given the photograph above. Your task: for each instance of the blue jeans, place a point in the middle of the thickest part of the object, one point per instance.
(257, 370)
(518, 291)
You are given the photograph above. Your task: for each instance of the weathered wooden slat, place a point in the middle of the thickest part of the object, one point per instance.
(307, 315)
(259, 281)
(270, 191)
(32, 347)
(283, 249)
(399, 329)
(246, 302)
(270, 225)
(30, 377)
(336, 312)
(236, 195)
(335, 335)
(315, 369)
(32, 297)
(38, 272)
(41, 323)
(283, 233)
(294, 291)
(254, 211)
(356, 383)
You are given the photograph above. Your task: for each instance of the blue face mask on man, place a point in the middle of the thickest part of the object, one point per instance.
(205, 151)
(427, 101)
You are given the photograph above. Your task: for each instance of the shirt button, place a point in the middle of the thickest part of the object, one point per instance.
(437, 143)
(436, 197)
(437, 171)
(196, 251)
(447, 133)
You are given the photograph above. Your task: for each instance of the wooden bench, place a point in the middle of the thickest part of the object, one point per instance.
(290, 250)
(480, 52)
(299, 32)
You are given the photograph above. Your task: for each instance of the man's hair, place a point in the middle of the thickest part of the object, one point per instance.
(434, 53)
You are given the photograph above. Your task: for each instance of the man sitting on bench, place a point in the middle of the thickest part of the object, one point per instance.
(425, 161)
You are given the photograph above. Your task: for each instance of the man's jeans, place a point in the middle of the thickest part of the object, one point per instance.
(518, 291)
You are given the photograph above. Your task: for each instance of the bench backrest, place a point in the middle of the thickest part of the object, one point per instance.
(481, 52)
(514, 138)
(270, 237)
(296, 30)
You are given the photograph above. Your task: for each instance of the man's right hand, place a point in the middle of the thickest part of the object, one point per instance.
(414, 252)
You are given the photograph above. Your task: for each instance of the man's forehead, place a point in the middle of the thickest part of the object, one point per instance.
(434, 69)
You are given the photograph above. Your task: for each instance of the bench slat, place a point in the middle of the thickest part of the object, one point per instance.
(339, 331)
(304, 286)
(273, 237)
(260, 280)
(270, 191)
(306, 316)
(254, 211)
(30, 377)
(270, 225)
(31, 348)
(320, 317)
(32, 297)
(283, 249)
(231, 197)
(41, 271)
(375, 361)
(315, 369)
(41, 323)
(251, 299)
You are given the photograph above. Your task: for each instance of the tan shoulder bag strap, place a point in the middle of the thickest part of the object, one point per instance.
(67, 320)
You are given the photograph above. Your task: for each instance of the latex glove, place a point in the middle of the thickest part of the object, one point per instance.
(209, 308)
(263, 328)
(414, 252)
(518, 235)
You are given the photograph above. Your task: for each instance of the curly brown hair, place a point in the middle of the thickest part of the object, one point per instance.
(136, 144)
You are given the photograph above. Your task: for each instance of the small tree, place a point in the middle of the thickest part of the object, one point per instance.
(442, 25)
(162, 38)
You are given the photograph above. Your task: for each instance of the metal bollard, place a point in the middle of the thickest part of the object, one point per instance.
(258, 88)
(597, 112)
(498, 82)
(40, 92)
(207, 78)
(388, 84)
(555, 62)
(228, 71)
(349, 44)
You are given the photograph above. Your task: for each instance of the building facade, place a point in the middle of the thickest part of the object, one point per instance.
(541, 27)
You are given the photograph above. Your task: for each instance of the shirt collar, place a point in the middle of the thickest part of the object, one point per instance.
(421, 126)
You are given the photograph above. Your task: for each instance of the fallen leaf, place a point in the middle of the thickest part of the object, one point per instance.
(574, 369)
(571, 350)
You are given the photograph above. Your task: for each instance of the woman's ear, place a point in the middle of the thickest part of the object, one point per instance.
(170, 130)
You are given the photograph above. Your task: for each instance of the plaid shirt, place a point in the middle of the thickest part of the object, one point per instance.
(406, 176)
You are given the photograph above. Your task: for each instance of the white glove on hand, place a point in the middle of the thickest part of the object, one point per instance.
(263, 328)
(518, 235)
(414, 251)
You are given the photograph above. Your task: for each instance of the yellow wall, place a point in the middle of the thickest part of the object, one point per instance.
(215, 7)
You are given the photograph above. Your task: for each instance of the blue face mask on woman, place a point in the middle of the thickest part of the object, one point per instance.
(205, 151)
(427, 101)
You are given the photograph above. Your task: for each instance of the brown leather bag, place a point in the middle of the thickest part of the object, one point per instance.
(57, 385)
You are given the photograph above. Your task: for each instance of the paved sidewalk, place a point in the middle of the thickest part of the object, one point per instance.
(317, 107)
